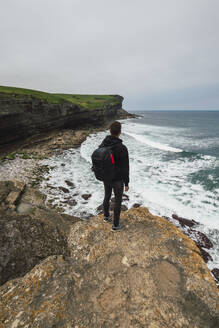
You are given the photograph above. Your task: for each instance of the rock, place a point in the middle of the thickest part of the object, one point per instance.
(124, 208)
(86, 196)
(215, 272)
(200, 238)
(10, 193)
(125, 197)
(184, 222)
(71, 202)
(24, 208)
(70, 184)
(205, 255)
(12, 197)
(62, 164)
(100, 209)
(65, 190)
(136, 205)
(25, 241)
(33, 197)
(30, 233)
(148, 275)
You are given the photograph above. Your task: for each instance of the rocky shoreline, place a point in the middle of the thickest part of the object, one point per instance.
(60, 271)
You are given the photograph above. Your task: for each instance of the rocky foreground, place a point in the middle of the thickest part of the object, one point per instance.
(59, 271)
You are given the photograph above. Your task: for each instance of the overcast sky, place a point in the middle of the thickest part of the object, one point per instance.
(153, 52)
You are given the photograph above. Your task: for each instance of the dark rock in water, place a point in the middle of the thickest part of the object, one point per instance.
(100, 209)
(62, 164)
(86, 196)
(124, 208)
(184, 222)
(200, 238)
(205, 255)
(70, 184)
(25, 241)
(86, 216)
(136, 205)
(71, 202)
(65, 190)
(215, 272)
(125, 197)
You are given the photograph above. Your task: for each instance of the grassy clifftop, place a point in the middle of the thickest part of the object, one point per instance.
(85, 101)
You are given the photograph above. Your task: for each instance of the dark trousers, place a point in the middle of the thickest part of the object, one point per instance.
(117, 187)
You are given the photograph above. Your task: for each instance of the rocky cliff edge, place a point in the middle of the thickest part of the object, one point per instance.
(84, 275)
(25, 112)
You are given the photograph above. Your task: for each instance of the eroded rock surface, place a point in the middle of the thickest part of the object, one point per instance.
(148, 275)
(29, 232)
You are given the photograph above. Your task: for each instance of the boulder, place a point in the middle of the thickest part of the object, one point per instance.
(184, 222)
(201, 239)
(65, 190)
(10, 193)
(70, 184)
(215, 272)
(124, 208)
(86, 196)
(148, 275)
(71, 202)
(29, 232)
(136, 205)
(25, 241)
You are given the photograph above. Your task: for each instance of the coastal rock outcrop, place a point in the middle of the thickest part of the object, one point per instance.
(29, 232)
(25, 112)
(148, 275)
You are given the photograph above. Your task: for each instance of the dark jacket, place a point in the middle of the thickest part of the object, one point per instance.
(121, 156)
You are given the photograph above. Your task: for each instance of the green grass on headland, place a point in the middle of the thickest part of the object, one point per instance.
(85, 101)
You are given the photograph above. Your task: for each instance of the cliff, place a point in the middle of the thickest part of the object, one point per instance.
(58, 271)
(26, 112)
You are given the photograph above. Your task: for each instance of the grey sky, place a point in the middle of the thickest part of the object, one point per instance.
(153, 52)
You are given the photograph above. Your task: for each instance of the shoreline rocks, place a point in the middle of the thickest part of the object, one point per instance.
(200, 239)
(149, 275)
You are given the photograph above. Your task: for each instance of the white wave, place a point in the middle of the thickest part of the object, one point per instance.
(153, 144)
(163, 186)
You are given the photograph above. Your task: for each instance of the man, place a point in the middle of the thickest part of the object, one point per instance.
(121, 157)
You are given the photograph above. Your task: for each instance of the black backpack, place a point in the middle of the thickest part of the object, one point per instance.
(103, 162)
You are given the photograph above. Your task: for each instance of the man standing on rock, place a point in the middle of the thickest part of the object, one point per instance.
(121, 158)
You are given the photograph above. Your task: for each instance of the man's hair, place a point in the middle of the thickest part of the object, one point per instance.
(115, 128)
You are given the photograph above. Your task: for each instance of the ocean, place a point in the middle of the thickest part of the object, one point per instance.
(174, 169)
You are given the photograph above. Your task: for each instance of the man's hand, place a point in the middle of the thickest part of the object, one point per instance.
(126, 188)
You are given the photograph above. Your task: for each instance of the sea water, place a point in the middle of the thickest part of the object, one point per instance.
(174, 168)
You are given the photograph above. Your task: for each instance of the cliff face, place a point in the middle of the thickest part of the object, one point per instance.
(148, 275)
(24, 114)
